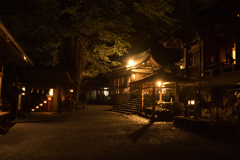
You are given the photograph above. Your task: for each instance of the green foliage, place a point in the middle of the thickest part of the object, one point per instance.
(79, 35)
(158, 10)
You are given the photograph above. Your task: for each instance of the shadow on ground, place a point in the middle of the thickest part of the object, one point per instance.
(5, 127)
(135, 136)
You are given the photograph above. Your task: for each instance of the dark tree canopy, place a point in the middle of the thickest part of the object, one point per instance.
(79, 35)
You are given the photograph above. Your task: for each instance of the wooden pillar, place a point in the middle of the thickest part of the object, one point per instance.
(160, 93)
(18, 105)
(56, 99)
(142, 91)
(176, 92)
(1, 75)
(153, 103)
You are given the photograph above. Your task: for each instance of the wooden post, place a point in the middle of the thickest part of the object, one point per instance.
(153, 103)
(160, 93)
(142, 97)
(176, 92)
(70, 101)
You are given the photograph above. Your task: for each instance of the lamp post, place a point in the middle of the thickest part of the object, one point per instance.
(49, 103)
(45, 105)
(70, 91)
(41, 106)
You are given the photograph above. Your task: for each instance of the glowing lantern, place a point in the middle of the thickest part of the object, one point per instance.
(130, 63)
(51, 92)
(159, 84)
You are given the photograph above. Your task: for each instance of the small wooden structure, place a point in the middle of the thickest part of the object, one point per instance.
(11, 54)
(160, 83)
(45, 89)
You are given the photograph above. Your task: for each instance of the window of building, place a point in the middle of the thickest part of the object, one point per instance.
(118, 82)
(122, 81)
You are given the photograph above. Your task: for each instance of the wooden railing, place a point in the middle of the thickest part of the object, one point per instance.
(220, 68)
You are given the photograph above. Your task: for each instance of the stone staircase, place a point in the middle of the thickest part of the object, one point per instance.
(129, 107)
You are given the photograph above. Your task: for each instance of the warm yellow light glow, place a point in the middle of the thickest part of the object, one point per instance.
(49, 98)
(24, 57)
(234, 53)
(44, 101)
(159, 83)
(51, 92)
(192, 102)
(40, 104)
(130, 63)
(71, 90)
(33, 110)
(37, 107)
(23, 94)
(133, 75)
(24, 89)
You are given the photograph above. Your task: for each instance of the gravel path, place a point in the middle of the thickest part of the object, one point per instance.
(100, 134)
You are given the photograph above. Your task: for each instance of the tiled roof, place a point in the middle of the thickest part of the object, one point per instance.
(137, 59)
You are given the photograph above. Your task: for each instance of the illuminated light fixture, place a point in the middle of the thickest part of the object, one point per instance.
(37, 90)
(24, 57)
(41, 104)
(192, 102)
(130, 63)
(71, 90)
(49, 98)
(143, 63)
(33, 110)
(44, 101)
(238, 15)
(133, 75)
(23, 94)
(24, 89)
(51, 92)
(159, 83)
(181, 67)
(37, 107)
